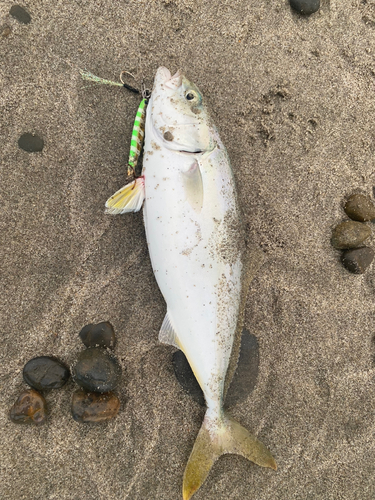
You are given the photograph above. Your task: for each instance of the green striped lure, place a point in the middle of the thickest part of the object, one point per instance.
(138, 134)
(130, 197)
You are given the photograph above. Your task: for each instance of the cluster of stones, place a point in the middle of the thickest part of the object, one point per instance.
(41, 374)
(96, 371)
(351, 235)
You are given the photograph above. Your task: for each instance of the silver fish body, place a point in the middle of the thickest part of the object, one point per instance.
(196, 246)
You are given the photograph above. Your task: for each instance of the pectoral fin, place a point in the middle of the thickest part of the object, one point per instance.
(127, 199)
(193, 185)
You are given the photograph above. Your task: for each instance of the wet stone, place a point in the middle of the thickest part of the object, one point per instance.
(350, 234)
(31, 143)
(358, 260)
(30, 408)
(305, 7)
(20, 14)
(99, 335)
(93, 407)
(360, 207)
(96, 370)
(43, 373)
(243, 381)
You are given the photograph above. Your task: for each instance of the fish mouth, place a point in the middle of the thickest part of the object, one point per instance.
(163, 73)
(164, 76)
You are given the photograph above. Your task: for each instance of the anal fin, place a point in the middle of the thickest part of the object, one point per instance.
(167, 334)
(127, 199)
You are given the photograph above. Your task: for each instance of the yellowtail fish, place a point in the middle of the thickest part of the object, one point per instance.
(197, 250)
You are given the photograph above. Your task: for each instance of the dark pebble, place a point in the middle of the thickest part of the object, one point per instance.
(358, 260)
(350, 234)
(30, 408)
(92, 407)
(305, 7)
(100, 335)
(30, 143)
(96, 370)
(20, 14)
(243, 381)
(360, 207)
(45, 373)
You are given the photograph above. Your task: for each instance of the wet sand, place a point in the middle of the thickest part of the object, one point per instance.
(293, 99)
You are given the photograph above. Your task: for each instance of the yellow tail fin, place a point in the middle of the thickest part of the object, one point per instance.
(215, 438)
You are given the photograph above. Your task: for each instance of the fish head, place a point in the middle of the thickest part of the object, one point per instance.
(178, 115)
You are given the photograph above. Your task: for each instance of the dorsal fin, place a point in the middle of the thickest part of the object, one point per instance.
(167, 334)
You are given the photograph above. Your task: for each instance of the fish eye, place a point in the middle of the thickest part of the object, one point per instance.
(190, 95)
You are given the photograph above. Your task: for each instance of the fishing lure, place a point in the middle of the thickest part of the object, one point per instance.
(86, 75)
(130, 197)
(138, 132)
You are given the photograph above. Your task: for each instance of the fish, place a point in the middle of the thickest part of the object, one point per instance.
(198, 253)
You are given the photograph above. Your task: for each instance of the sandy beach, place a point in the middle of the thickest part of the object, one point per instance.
(293, 100)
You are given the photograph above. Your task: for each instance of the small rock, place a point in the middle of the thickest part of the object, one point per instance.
(360, 207)
(31, 143)
(305, 7)
(5, 31)
(45, 373)
(100, 335)
(243, 381)
(358, 260)
(350, 234)
(96, 370)
(92, 407)
(30, 408)
(20, 14)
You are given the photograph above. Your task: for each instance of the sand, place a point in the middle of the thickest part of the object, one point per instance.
(293, 99)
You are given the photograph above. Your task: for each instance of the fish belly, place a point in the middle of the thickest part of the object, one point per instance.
(196, 258)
